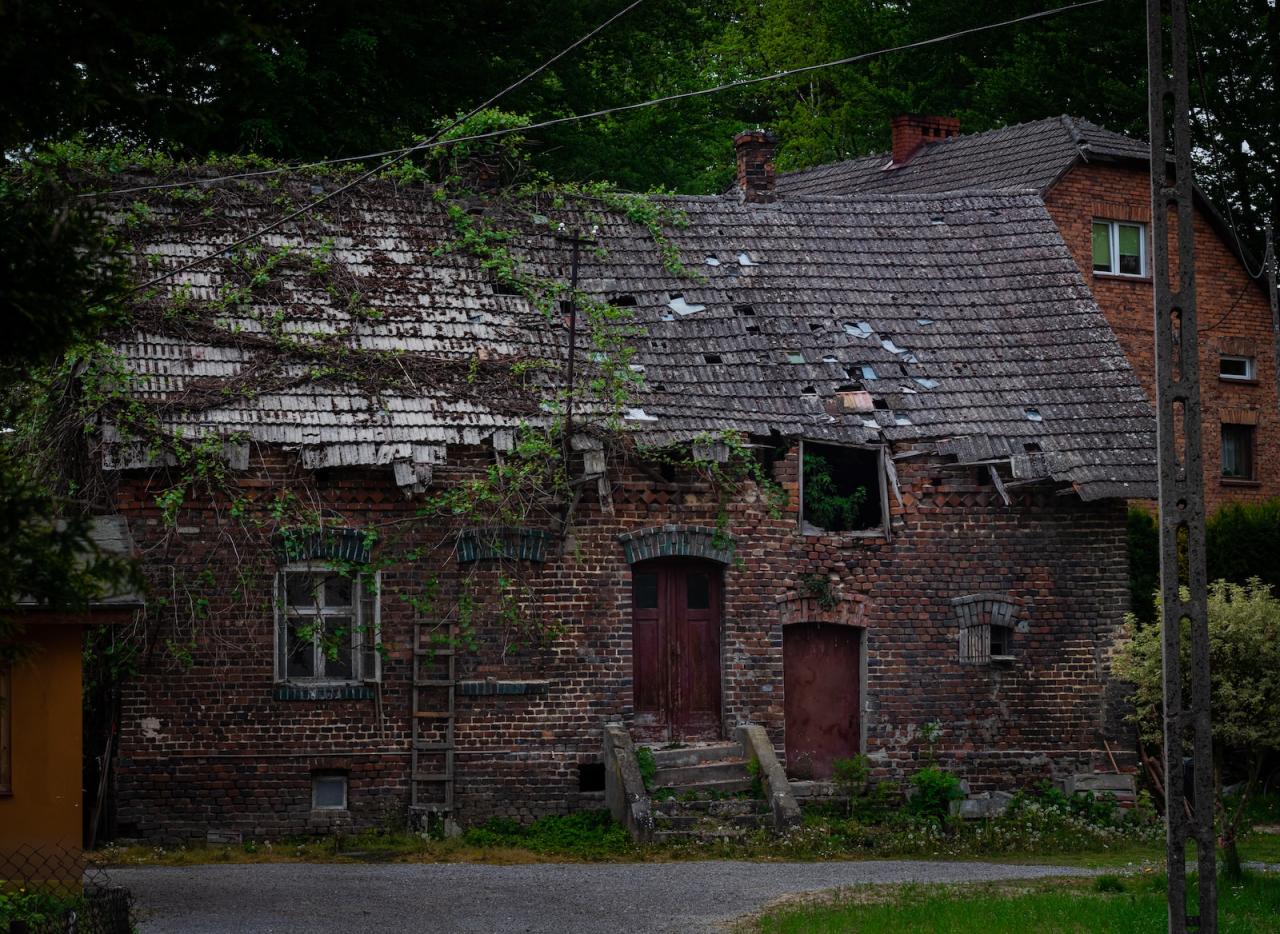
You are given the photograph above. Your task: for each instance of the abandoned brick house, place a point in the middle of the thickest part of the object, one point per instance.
(1095, 185)
(869, 473)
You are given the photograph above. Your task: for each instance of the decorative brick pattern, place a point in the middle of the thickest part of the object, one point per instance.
(495, 544)
(326, 545)
(674, 541)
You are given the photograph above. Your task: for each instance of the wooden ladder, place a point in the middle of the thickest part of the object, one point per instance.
(431, 758)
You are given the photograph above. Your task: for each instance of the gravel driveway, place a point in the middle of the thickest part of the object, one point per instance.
(464, 897)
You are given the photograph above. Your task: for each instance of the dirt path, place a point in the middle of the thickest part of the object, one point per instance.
(462, 897)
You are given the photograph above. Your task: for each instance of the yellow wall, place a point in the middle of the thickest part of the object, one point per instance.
(44, 811)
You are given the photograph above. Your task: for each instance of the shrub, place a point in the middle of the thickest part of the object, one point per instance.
(648, 766)
(1144, 565)
(868, 804)
(933, 790)
(1242, 541)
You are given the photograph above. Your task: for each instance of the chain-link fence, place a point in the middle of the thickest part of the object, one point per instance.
(53, 890)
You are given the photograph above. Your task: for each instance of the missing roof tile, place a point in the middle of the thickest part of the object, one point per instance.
(1032, 447)
(857, 329)
(682, 307)
(808, 391)
(924, 322)
(926, 382)
(753, 329)
(795, 356)
(890, 346)
(829, 359)
(711, 261)
(744, 311)
(623, 301)
(1033, 415)
(868, 372)
(744, 259)
(712, 358)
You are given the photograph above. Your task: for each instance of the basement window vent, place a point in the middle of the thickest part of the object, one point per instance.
(328, 791)
(591, 776)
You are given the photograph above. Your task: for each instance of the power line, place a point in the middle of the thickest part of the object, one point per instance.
(435, 141)
(307, 208)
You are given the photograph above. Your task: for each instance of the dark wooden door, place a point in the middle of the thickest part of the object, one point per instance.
(676, 649)
(821, 670)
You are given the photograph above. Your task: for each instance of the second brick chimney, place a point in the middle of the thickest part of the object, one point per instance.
(911, 131)
(755, 149)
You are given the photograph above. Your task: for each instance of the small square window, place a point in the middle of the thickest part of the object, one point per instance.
(1232, 367)
(1237, 452)
(1119, 248)
(329, 792)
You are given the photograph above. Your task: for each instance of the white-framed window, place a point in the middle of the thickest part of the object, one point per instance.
(1231, 366)
(1120, 248)
(328, 626)
(328, 791)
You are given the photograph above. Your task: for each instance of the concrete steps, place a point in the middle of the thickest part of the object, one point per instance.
(701, 792)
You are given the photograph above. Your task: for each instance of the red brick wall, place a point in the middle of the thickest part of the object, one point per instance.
(204, 745)
(1234, 318)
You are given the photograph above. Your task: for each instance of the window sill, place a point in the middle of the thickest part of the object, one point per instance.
(1237, 380)
(1121, 277)
(1003, 660)
(292, 691)
(1237, 481)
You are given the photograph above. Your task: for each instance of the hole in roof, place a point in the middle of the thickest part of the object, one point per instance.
(711, 357)
(1033, 415)
(859, 329)
(566, 306)
(902, 370)
(681, 307)
(753, 329)
(475, 211)
(829, 359)
(901, 420)
(795, 356)
(745, 311)
(926, 382)
(744, 259)
(623, 301)
(815, 325)
(808, 391)
(924, 322)
(668, 316)
(503, 287)
(711, 261)
(1031, 447)
(879, 404)
(909, 358)
(937, 219)
(868, 372)
(659, 387)
(638, 415)
(848, 387)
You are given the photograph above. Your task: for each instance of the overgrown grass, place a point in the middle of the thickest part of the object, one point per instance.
(1134, 905)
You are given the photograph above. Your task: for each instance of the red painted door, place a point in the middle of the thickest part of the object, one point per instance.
(821, 670)
(676, 649)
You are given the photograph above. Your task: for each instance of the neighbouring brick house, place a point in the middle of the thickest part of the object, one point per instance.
(941, 353)
(1095, 185)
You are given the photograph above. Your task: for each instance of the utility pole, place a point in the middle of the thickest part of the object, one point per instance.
(1189, 813)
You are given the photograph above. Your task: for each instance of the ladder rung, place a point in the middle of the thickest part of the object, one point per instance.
(433, 714)
(432, 777)
(433, 747)
(433, 807)
(435, 652)
(434, 683)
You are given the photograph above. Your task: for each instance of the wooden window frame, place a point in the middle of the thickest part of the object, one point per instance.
(1250, 434)
(975, 644)
(6, 729)
(365, 611)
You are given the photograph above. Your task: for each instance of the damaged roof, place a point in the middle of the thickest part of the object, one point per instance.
(961, 317)
(1024, 156)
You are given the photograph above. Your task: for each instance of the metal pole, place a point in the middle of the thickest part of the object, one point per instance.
(1181, 468)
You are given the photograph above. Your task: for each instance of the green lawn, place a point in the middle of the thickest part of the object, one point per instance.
(1048, 907)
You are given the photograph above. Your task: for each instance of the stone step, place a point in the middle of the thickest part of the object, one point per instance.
(725, 807)
(704, 836)
(709, 789)
(701, 821)
(694, 753)
(686, 775)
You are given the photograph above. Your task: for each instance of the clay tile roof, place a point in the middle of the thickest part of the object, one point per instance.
(963, 315)
(1025, 156)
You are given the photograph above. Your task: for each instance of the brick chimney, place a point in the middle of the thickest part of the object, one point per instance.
(755, 150)
(911, 131)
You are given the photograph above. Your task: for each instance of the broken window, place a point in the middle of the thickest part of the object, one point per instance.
(986, 642)
(327, 625)
(1120, 248)
(1237, 452)
(842, 489)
